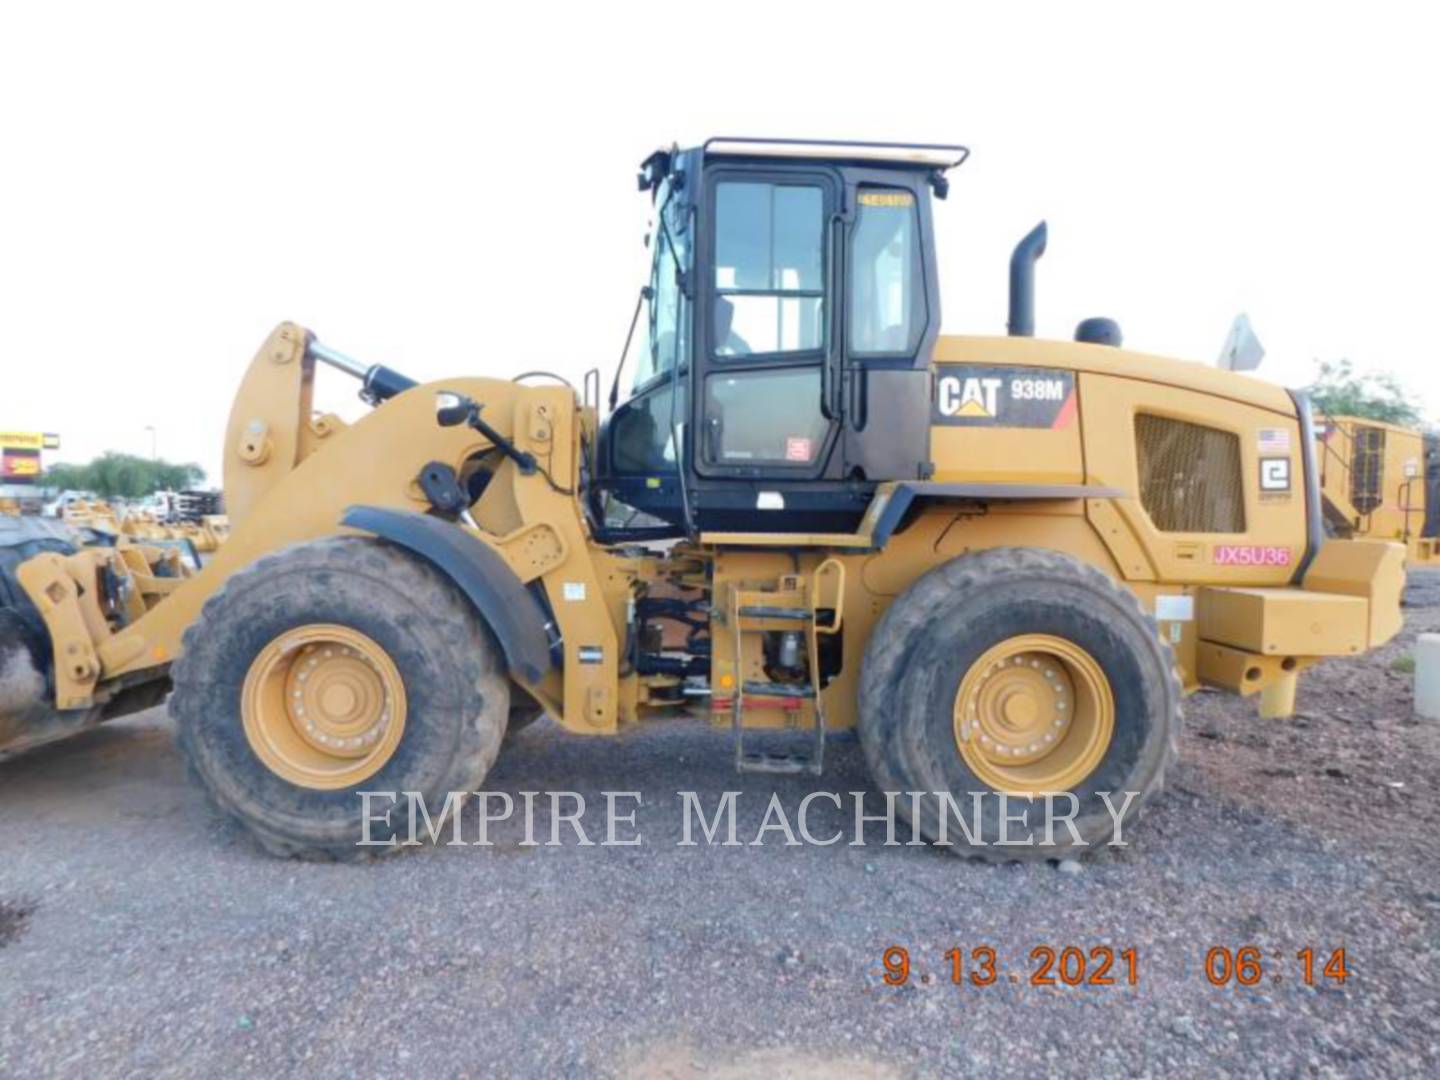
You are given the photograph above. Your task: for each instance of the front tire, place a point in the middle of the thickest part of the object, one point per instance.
(327, 669)
(1025, 673)
(524, 711)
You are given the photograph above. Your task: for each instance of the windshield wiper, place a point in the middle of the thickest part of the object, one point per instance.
(646, 292)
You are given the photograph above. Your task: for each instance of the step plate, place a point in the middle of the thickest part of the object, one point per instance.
(784, 764)
(777, 690)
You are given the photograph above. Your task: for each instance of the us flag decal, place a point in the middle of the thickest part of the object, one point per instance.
(1273, 441)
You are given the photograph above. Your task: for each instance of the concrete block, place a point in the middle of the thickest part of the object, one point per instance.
(1427, 676)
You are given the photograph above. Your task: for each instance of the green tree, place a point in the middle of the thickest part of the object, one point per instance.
(126, 476)
(1341, 391)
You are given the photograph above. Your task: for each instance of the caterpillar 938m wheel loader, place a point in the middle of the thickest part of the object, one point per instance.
(1003, 560)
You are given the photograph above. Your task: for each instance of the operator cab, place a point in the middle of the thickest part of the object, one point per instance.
(791, 312)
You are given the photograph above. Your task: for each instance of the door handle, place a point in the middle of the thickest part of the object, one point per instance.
(714, 429)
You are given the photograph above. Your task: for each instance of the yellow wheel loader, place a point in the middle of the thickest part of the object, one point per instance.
(1004, 561)
(1381, 481)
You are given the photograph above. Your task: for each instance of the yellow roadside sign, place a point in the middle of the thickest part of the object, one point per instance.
(29, 440)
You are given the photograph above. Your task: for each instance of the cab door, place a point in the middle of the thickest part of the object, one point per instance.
(892, 318)
(767, 337)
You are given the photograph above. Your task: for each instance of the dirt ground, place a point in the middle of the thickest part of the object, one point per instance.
(140, 935)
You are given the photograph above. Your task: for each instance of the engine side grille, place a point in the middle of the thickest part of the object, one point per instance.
(1190, 478)
(1367, 469)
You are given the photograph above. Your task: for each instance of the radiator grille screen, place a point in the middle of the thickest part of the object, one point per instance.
(1190, 479)
(1367, 469)
(1432, 486)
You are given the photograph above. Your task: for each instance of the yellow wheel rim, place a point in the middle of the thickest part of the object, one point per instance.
(323, 706)
(1034, 714)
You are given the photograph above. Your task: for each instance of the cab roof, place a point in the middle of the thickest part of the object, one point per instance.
(939, 156)
(934, 158)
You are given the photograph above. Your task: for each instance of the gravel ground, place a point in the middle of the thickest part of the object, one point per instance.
(138, 934)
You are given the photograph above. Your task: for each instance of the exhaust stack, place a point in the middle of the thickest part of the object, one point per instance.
(1022, 282)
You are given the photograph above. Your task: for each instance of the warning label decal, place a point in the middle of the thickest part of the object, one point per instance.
(797, 448)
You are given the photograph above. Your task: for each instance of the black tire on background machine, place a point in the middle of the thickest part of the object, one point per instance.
(918, 653)
(457, 691)
(23, 538)
(27, 715)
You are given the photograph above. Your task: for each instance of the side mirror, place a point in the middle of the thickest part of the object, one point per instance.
(452, 409)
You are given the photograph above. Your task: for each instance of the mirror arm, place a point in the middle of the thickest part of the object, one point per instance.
(453, 408)
(524, 460)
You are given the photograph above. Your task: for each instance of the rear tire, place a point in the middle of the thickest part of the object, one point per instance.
(915, 673)
(456, 695)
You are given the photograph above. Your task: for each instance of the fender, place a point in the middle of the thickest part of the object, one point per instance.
(904, 494)
(505, 604)
(1314, 507)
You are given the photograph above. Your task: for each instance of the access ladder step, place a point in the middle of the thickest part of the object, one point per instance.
(775, 689)
(767, 611)
(786, 764)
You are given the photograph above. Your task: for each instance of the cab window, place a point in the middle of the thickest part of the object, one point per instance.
(768, 416)
(769, 269)
(665, 344)
(887, 280)
(642, 437)
(642, 430)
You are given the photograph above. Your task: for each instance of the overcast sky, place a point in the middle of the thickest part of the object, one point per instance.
(450, 189)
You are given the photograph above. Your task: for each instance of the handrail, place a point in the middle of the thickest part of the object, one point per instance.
(1406, 507)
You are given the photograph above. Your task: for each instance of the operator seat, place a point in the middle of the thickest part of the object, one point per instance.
(728, 343)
